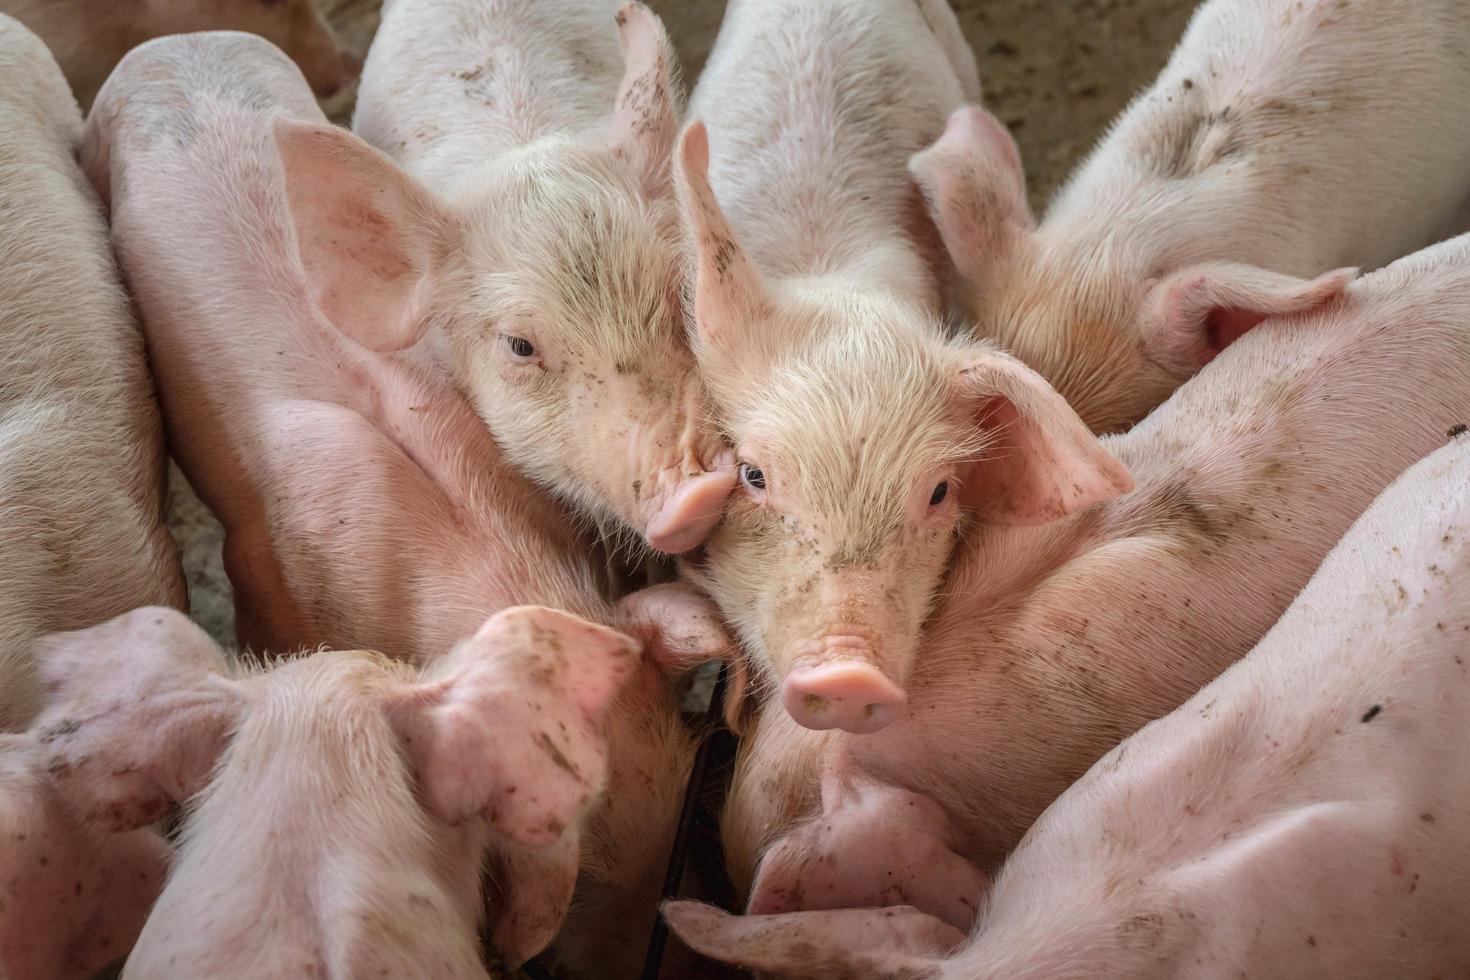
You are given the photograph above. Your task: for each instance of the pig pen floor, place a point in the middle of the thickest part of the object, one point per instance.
(1056, 71)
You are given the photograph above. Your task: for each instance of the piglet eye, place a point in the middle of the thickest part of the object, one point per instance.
(521, 347)
(752, 477)
(940, 492)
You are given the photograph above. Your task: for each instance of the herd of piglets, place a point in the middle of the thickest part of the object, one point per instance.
(1089, 591)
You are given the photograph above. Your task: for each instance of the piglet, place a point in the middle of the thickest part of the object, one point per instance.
(81, 451)
(1305, 815)
(365, 504)
(89, 37)
(340, 803)
(1283, 141)
(868, 439)
(1055, 643)
(528, 233)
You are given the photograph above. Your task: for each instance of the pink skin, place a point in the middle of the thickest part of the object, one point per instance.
(1058, 641)
(404, 772)
(409, 527)
(89, 37)
(1302, 815)
(73, 898)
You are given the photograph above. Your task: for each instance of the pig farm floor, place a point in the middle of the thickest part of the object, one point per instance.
(1056, 71)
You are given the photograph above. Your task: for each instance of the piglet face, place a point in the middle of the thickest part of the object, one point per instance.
(553, 280)
(866, 439)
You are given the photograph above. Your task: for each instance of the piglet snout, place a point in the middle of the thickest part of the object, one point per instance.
(690, 511)
(852, 695)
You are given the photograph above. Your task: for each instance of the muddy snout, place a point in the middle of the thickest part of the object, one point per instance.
(842, 687)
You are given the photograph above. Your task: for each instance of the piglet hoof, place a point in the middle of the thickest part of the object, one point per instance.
(855, 697)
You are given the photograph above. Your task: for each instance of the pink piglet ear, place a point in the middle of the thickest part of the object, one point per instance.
(729, 298)
(368, 234)
(680, 626)
(646, 116)
(138, 712)
(510, 726)
(872, 942)
(1195, 313)
(1039, 461)
(973, 182)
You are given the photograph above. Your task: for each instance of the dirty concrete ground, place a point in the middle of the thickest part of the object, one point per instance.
(1056, 71)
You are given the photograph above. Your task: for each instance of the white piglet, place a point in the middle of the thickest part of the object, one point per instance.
(1054, 643)
(1305, 815)
(1284, 140)
(868, 439)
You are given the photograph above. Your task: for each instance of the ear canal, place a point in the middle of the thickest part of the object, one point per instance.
(728, 294)
(139, 712)
(1040, 462)
(646, 115)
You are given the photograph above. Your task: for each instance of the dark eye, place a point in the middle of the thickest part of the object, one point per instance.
(940, 492)
(521, 347)
(752, 477)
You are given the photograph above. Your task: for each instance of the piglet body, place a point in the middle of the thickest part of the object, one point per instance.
(1057, 642)
(1283, 140)
(1304, 815)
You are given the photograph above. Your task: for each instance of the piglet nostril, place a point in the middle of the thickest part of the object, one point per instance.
(850, 695)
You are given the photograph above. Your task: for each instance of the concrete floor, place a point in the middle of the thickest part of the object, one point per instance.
(1055, 70)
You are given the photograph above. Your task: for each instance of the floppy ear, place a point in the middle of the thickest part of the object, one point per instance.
(729, 298)
(531, 892)
(887, 942)
(511, 729)
(872, 845)
(680, 626)
(976, 190)
(138, 712)
(1197, 312)
(646, 115)
(370, 237)
(1039, 462)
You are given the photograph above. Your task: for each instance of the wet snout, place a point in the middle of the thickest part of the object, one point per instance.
(841, 685)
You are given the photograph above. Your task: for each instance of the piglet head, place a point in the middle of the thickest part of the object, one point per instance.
(1116, 329)
(508, 726)
(867, 439)
(553, 282)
